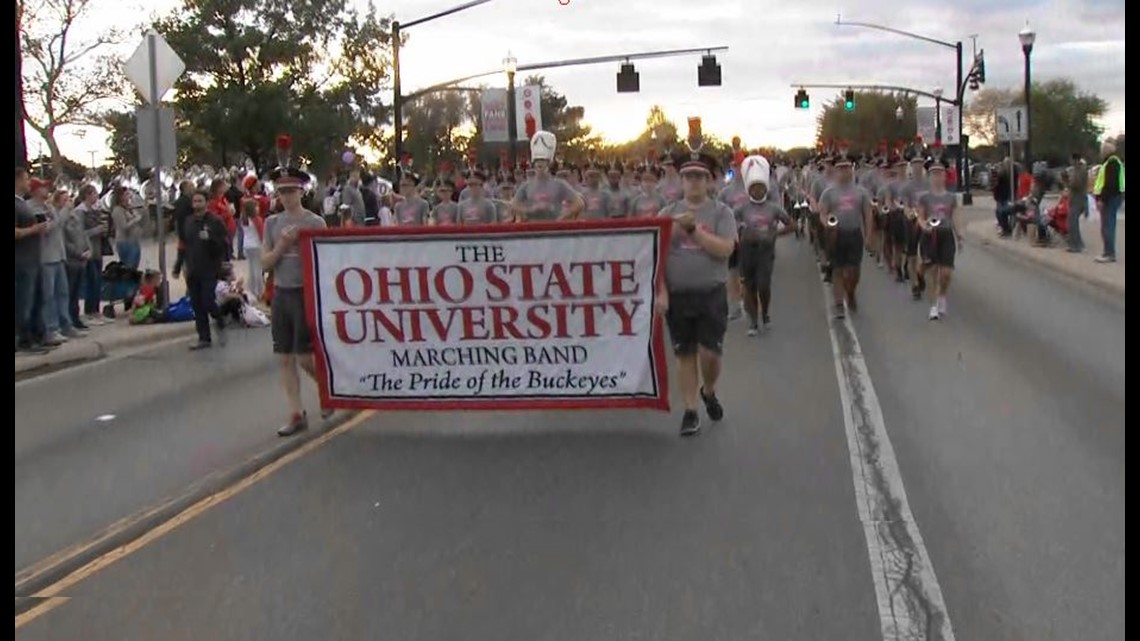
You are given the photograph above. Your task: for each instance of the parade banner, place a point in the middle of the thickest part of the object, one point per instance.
(493, 106)
(531, 316)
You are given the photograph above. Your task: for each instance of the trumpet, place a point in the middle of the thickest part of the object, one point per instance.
(832, 221)
(934, 223)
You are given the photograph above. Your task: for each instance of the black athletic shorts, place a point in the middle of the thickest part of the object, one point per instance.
(913, 237)
(757, 259)
(287, 322)
(697, 319)
(847, 248)
(939, 247)
(896, 227)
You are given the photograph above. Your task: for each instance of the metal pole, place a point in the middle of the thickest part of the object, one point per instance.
(963, 159)
(1028, 110)
(156, 176)
(397, 107)
(512, 125)
(938, 120)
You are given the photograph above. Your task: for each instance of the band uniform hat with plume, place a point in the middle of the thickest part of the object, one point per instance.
(756, 170)
(284, 149)
(543, 145)
(289, 178)
(695, 159)
(843, 159)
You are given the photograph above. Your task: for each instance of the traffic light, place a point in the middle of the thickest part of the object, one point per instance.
(849, 100)
(980, 74)
(802, 100)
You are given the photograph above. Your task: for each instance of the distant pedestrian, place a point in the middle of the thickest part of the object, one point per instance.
(1078, 184)
(1109, 192)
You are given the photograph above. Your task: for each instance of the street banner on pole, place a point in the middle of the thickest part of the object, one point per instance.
(528, 103)
(533, 316)
(493, 106)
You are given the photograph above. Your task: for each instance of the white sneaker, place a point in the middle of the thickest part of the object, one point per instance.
(54, 339)
(933, 312)
(941, 305)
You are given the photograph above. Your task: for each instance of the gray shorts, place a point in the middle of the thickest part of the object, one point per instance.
(288, 324)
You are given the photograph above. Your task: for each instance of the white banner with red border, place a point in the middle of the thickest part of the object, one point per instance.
(533, 316)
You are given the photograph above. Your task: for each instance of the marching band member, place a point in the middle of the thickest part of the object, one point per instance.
(824, 177)
(446, 212)
(734, 196)
(893, 218)
(911, 190)
(292, 341)
(941, 236)
(476, 209)
(670, 184)
(693, 299)
(649, 202)
(596, 200)
(845, 209)
(411, 209)
(619, 196)
(541, 197)
(758, 221)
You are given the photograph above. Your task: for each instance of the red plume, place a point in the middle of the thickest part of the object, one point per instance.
(284, 147)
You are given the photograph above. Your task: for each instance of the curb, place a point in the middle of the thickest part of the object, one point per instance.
(41, 575)
(97, 349)
(987, 243)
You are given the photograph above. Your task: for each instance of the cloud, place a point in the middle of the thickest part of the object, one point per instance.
(773, 45)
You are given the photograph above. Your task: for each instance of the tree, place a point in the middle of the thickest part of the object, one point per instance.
(71, 74)
(1120, 146)
(259, 68)
(21, 141)
(562, 120)
(873, 120)
(432, 122)
(1062, 118)
(195, 147)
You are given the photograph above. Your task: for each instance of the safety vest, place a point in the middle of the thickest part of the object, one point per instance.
(1098, 186)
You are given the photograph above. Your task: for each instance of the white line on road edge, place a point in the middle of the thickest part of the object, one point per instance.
(909, 597)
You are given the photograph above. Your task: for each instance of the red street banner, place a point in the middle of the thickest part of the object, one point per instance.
(532, 316)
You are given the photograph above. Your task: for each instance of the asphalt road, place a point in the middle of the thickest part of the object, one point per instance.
(1006, 419)
(169, 418)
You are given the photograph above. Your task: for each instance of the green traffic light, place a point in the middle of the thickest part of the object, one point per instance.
(849, 105)
(803, 104)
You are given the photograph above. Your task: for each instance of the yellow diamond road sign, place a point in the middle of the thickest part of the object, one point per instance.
(168, 67)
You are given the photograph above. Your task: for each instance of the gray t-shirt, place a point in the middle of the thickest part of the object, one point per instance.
(889, 194)
(619, 201)
(597, 203)
(847, 203)
(128, 225)
(445, 213)
(734, 195)
(671, 190)
(28, 247)
(412, 211)
(476, 211)
(543, 197)
(938, 206)
(287, 272)
(758, 221)
(912, 189)
(818, 186)
(51, 242)
(688, 267)
(647, 205)
(502, 210)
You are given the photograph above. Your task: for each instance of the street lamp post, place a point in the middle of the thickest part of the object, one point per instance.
(1027, 38)
(937, 114)
(511, 66)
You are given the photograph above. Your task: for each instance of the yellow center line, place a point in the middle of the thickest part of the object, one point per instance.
(53, 592)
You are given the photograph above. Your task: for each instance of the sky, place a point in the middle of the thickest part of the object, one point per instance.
(773, 44)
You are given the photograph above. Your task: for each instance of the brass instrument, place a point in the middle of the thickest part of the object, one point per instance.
(832, 221)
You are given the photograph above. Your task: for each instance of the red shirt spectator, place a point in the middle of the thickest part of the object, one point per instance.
(1024, 185)
(221, 208)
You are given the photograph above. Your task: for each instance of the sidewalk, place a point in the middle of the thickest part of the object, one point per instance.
(1107, 277)
(119, 335)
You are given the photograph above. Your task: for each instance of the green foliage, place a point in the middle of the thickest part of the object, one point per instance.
(258, 68)
(1062, 118)
(874, 120)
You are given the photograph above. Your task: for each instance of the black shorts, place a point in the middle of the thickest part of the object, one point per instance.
(896, 227)
(288, 324)
(913, 237)
(847, 248)
(939, 247)
(734, 259)
(757, 259)
(879, 220)
(697, 318)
